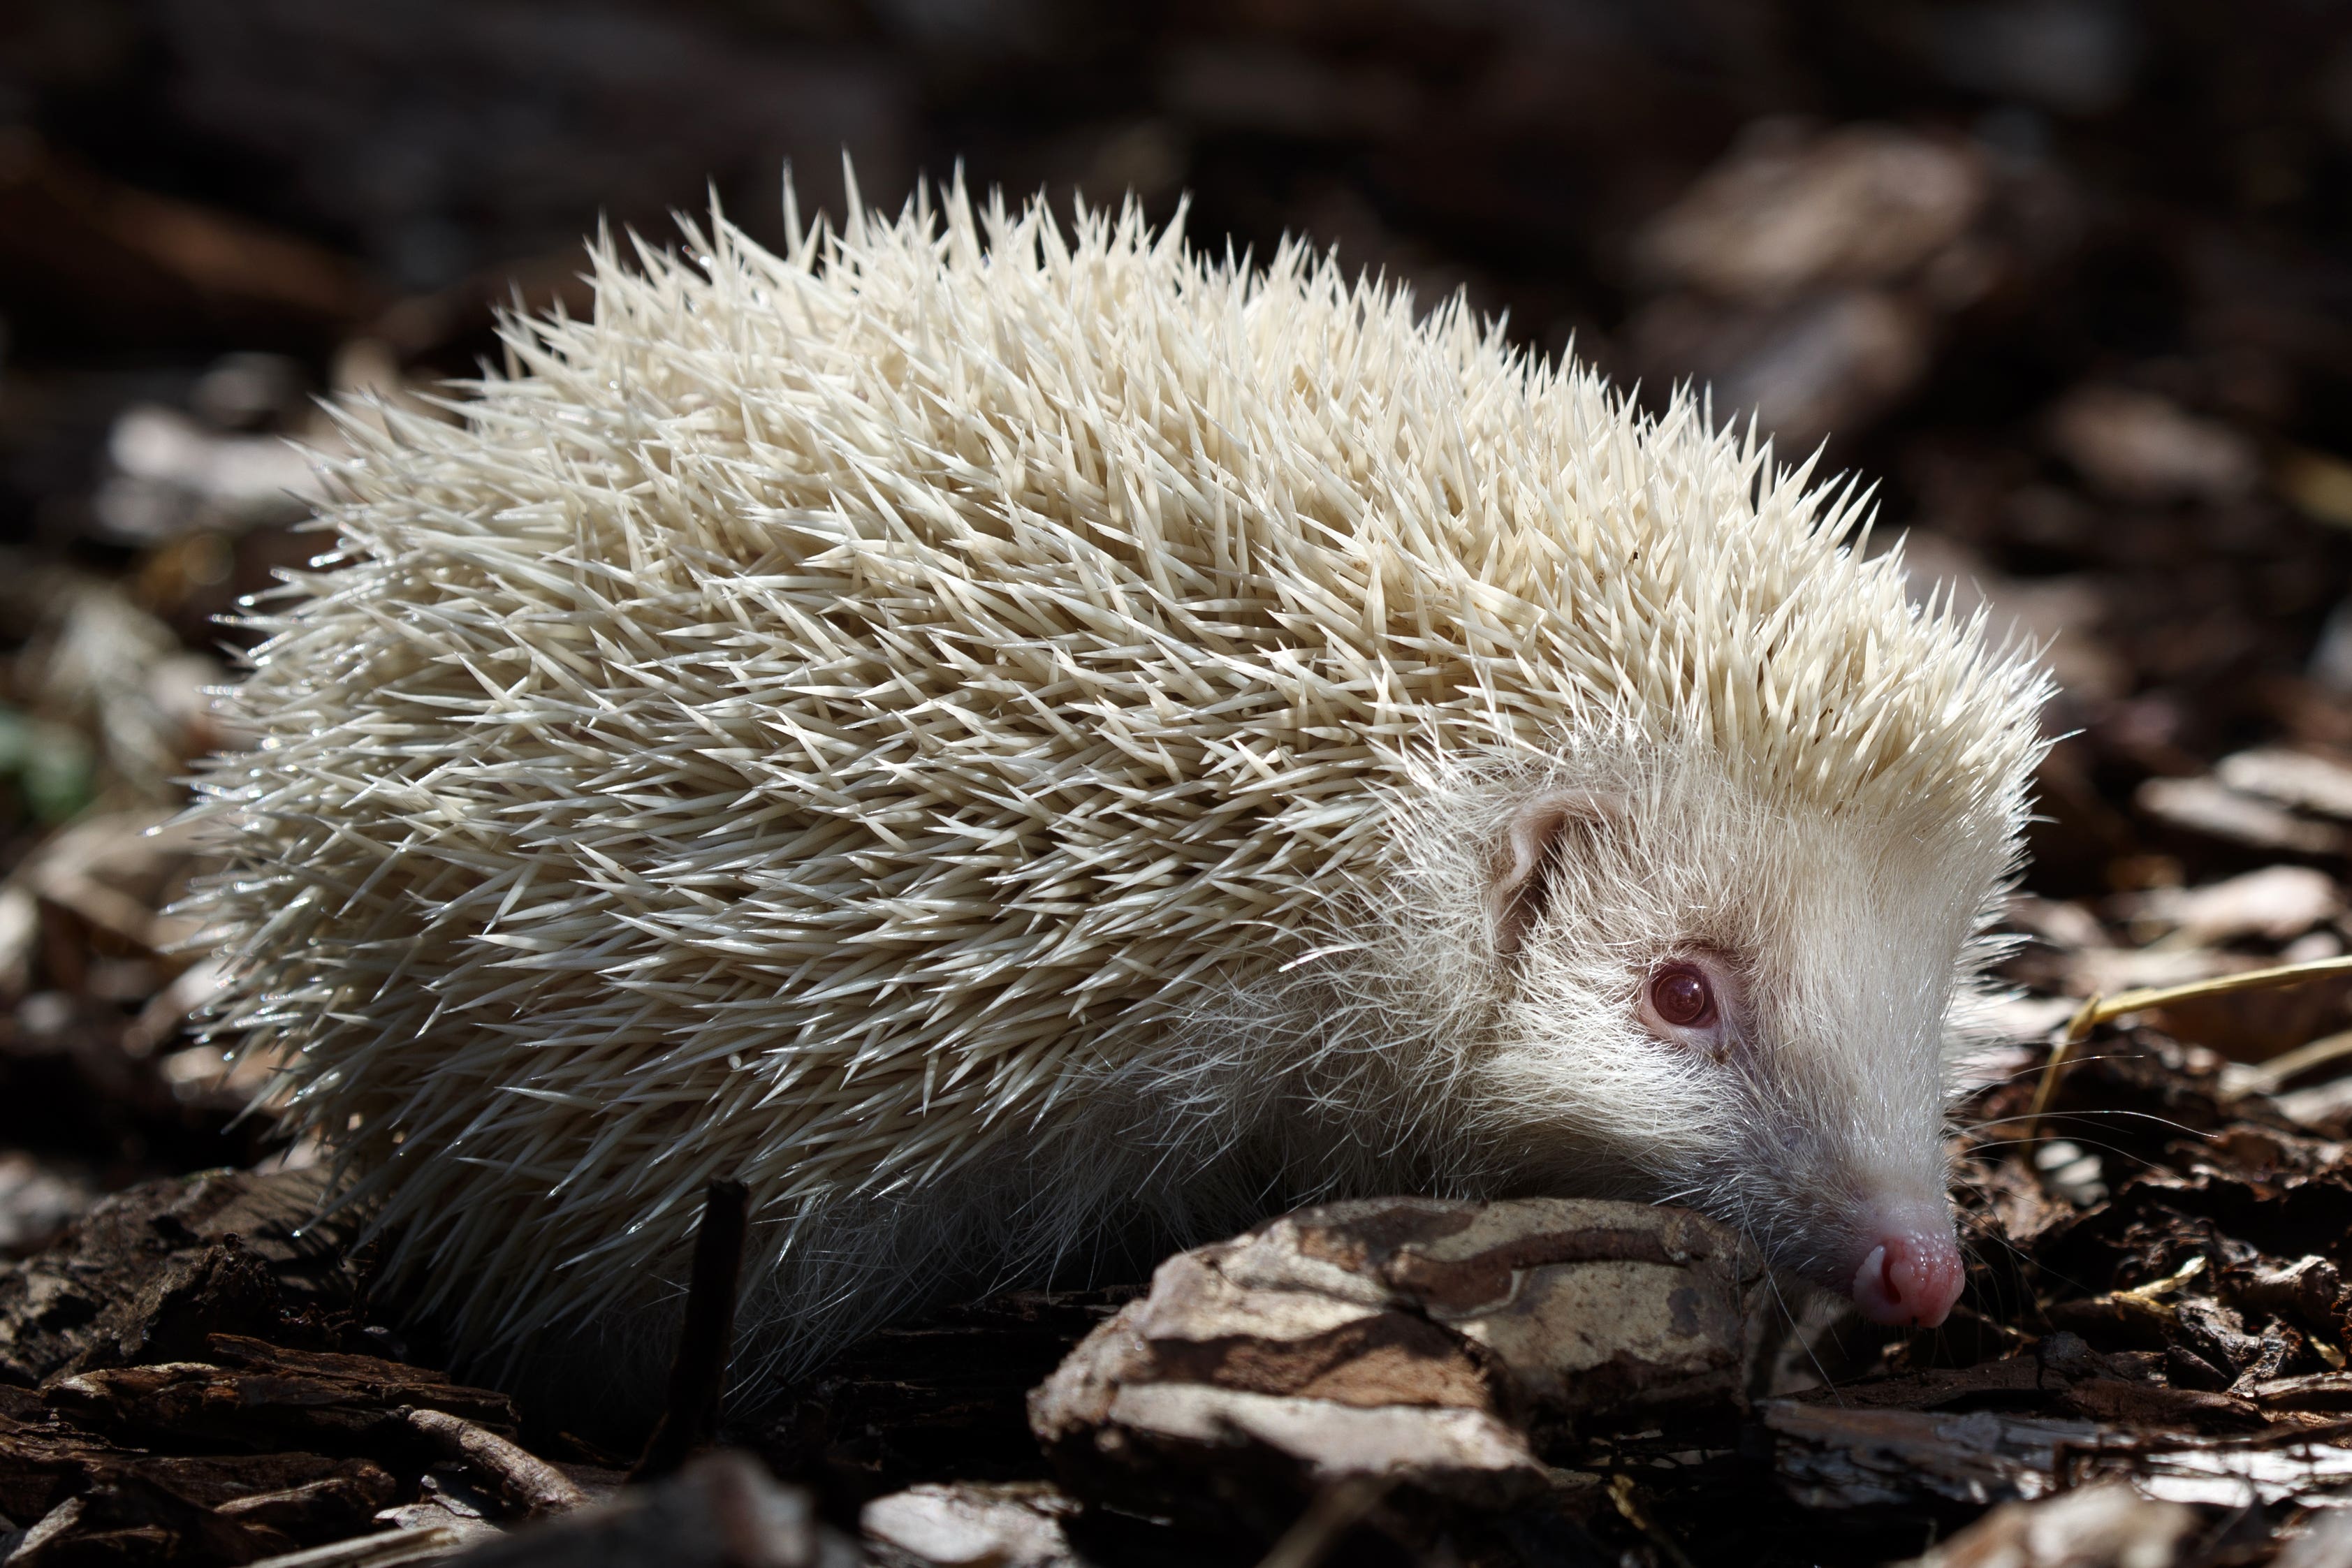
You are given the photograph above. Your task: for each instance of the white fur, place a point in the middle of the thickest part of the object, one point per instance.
(987, 732)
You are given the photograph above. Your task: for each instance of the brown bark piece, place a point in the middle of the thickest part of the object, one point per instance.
(136, 1510)
(1832, 1458)
(1828, 1457)
(1941, 1387)
(129, 1519)
(1407, 1339)
(330, 1509)
(149, 1272)
(267, 1396)
(2329, 1393)
(2154, 1404)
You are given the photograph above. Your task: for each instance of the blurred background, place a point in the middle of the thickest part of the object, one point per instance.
(2067, 278)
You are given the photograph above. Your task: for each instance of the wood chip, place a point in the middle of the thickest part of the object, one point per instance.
(2302, 779)
(2211, 808)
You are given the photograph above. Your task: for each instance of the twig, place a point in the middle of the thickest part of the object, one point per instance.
(2169, 1283)
(2329, 1435)
(1336, 1508)
(1621, 1492)
(706, 1337)
(525, 1482)
(2102, 1010)
(385, 1549)
(2269, 1077)
(2124, 1002)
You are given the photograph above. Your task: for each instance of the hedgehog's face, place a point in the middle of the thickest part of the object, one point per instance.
(1740, 1005)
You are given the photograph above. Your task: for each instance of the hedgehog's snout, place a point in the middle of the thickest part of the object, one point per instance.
(1910, 1272)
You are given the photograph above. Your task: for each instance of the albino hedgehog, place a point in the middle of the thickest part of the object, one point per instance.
(1000, 736)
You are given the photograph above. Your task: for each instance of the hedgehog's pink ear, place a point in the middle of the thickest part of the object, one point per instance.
(1525, 870)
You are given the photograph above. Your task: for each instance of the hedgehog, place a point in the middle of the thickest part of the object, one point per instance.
(1010, 735)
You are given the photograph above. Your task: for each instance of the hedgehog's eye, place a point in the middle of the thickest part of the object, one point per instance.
(1681, 997)
(1692, 1001)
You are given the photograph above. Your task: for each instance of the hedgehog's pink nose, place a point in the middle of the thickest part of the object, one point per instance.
(1912, 1273)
